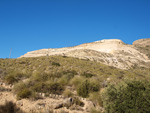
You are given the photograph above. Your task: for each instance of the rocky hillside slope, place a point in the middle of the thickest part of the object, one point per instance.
(111, 52)
(143, 45)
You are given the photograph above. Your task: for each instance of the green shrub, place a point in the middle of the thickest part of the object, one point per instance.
(127, 97)
(76, 81)
(55, 64)
(37, 86)
(14, 76)
(95, 97)
(66, 77)
(63, 80)
(24, 93)
(10, 107)
(94, 85)
(37, 76)
(22, 90)
(10, 79)
(87, 75)
(87, 87)
(67, 93)
(49, 87)
(55, 88)
(70, 72)
(34, 96)
(19, 86)
(83, 89)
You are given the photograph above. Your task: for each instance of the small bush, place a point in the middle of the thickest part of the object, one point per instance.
(22, 90)
(10, 107)
(19, 86)
(34, 96)
(55, 64)
(87, 75)
(76, 81)
(37, 76)
(66, 77)
(37, 86)
(87, 87)
(94, 85)
(14, 76)
(67, 93)
(10, 79)
(24, 93)
(83, 89)
(71, 72)
(56, 88)
(63, 80)
(52, 87)
(95, 97)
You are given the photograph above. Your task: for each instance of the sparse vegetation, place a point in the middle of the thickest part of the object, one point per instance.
(55, 74)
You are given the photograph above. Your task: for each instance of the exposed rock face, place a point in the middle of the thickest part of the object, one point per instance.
(112, 52)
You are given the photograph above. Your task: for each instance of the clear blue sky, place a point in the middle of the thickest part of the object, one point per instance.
(27, 25)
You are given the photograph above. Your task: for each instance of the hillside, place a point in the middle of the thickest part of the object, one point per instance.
(111, 52)
(37, 84)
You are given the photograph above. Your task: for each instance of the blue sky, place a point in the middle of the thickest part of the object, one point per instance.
(27, 25)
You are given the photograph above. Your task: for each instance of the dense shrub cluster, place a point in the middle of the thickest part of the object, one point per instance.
(127, 97)
(29, 90)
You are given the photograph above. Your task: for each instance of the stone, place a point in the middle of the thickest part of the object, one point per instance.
(89, 105)
(50, 95)
(68, 101)
(43, 94)
(19, 103)
(56, 96)
(60, 96)
(58, 105)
